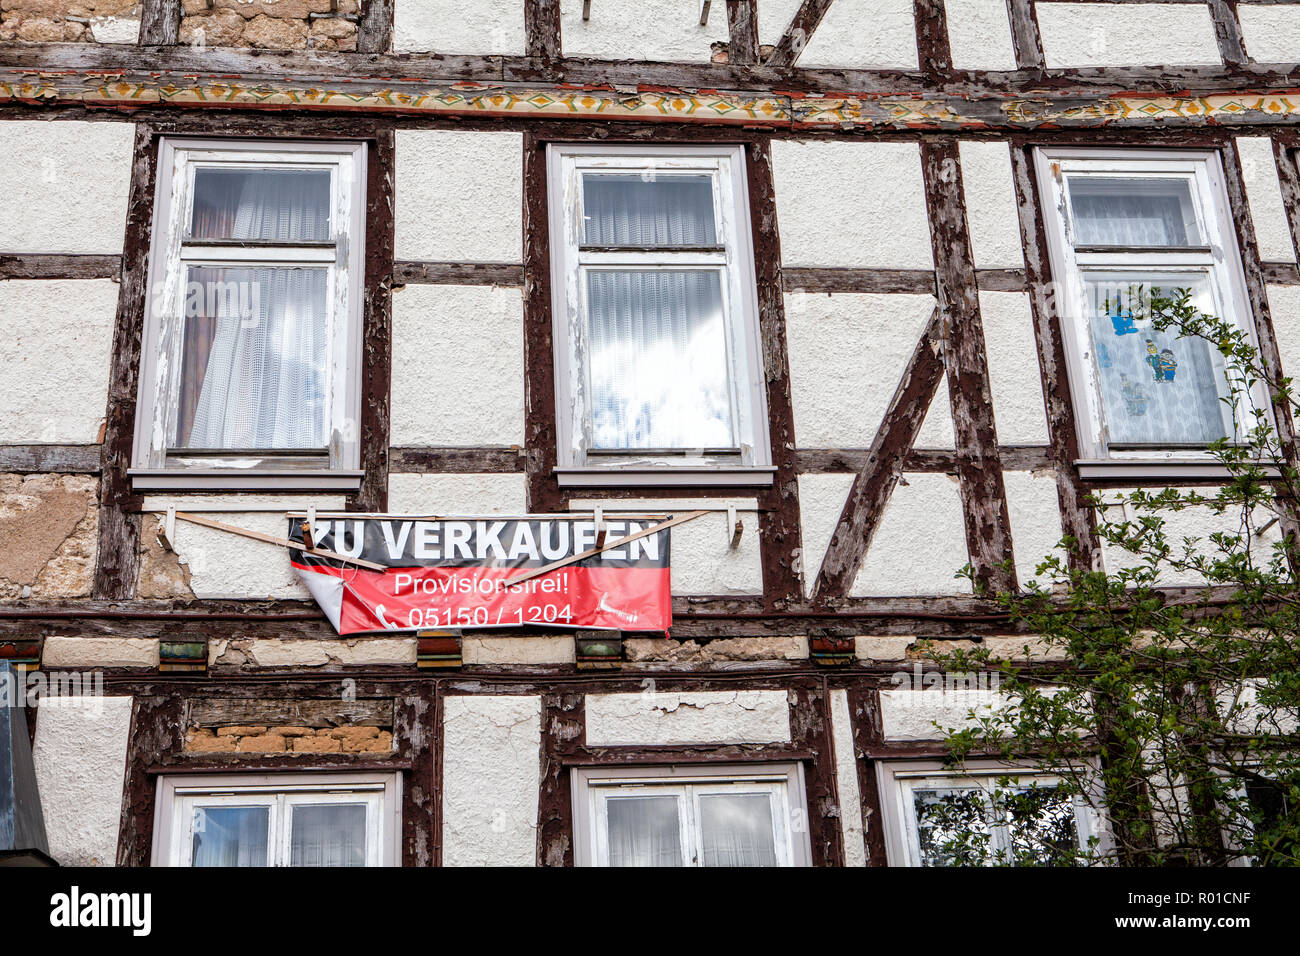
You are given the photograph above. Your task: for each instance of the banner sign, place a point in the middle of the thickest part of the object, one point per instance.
(455, 573)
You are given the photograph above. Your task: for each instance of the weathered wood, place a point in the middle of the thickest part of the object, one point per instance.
(1077, 519)
(1025, 38)
(118, 556)
(1227, 32)
(1280, 273)
(798, 33)
(55, 266)
(542, 28)
(915, 281)
(742, 29)
(377, 325)
(375, 31)
(875, 481)
(563, 734)
(455, 460)
(156, 729)
(933, 52)
(779, 520)
(50, 459)
(458, 273)
(868, 734)
(810, 731)
(979, 466)
(417, 738)
(160, 22)
(239, 711)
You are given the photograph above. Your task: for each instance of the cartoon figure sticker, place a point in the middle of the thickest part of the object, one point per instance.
(1162, 363)
(1124, 322)
(1135, 396)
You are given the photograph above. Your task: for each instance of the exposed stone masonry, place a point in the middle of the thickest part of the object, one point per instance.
(69, 21)
(255, 739)
(325, 25)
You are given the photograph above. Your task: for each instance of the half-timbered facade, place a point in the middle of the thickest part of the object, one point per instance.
(837, 273)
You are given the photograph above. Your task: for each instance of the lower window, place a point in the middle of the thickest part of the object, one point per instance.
(983, 816)
(277, 820)
(691, 816)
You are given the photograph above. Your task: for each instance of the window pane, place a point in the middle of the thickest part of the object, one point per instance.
(328, 835)
(647, 210)
(230, 836)
(1156, 388)
(658, 360)
(254, 359)
(1040, 825)
(281, 204)
(643, 831)
(952, 827)
(737, 830)
(1133, 212)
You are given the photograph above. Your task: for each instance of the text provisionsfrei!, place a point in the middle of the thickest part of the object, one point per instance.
(455, 573)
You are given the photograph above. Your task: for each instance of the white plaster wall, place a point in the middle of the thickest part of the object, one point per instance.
(55, 340)
(1248, 716)
(457, 494)
(59, 651)
(642, 30)
(80, 759)
(1272, 33)
(851, 204)
(848, 352)
(936, 428)
(490, 778)
(1264, 196)
(1014, 375)
(711, 717)
(66, 185)
(115, 29)
(459, 196)
(517, 650)
(227, 565)
(991, 203)
(1035, 515)
(1119, 34)
(979, 34)
(1181, 526)
(1284, 308)
(913, 714)
(458, 365)
(861, 34)
(846, 781)
(703, 562)
(773, 17)
(920, 544)
(451, 26)
(821, 499)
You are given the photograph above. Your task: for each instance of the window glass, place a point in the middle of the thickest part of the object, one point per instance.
(286, 205)
(973, 825)
(230, 836)
(644, 831)
(255, 359)
(952, 826)
(1151, 211)
(328, 835)
(658, 359)
(1156, 388)
(648, 210)
(736, 830)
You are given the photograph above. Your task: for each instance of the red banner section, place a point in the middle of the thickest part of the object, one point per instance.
(454, 573)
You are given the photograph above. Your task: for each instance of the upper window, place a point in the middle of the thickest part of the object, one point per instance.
(277, 820)
(658, 363)
(690, 816)
(987, 816)
(252, 336)
(1122, 223)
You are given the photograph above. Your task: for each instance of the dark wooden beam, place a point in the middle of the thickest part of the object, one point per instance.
(1227, 32)
(50, 459)
(1078, 521)
(868, 737)
(156, 729)
(779, 520)
(375, 31)
(933, 52)
(829, 461)
(810, 731)
(564, 733)
(542, 28)
(875, 481)
(160, 22)
(377, 325)
(40, 265)
(798, 33)
(918, 281)
(118, 554)
(457, 460)
(417, 742)
(406, 272)
(979, 466)
(1025, 38)
(742, 28)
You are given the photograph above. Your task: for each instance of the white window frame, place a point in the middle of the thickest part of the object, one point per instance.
(576, 467)
(782, 781)
(154, 465)
(898, 778)
(279, 792)
(1220, 258)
